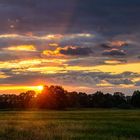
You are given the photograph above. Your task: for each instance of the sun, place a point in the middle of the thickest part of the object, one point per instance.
(40, 88)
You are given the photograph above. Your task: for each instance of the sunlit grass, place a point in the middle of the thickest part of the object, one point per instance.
(70, 125)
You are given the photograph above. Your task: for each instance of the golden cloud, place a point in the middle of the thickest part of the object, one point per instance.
(21, 48)
(53, 45)
(3, 76)
(8, 35)
(113, 62)
(30, 36)
(52, 52)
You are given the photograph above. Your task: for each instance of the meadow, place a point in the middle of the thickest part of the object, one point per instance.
(85, 124)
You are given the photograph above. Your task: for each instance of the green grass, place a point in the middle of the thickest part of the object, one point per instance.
(70, 125)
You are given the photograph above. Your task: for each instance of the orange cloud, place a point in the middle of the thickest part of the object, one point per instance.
(113, 62)
(118, 43)
(50, 53)
(21, 48)
(56, 51)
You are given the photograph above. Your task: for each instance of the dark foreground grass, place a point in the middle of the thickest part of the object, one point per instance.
(70, 125)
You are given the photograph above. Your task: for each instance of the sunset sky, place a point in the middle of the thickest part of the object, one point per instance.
(84, 45)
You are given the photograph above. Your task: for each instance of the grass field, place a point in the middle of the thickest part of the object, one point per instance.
(70, 125)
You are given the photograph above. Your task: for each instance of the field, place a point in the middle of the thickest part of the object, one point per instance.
(70, 125)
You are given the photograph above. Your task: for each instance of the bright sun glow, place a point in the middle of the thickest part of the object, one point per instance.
(39, 88)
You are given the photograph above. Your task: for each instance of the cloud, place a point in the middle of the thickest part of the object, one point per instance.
(114, 44)
(53, 45)
(137, 83)
(21, 48)
(114, 52)
(115, 62)
(83, 35)
(76, 51)
(93, 79)
(12, 55)
(118, 43)
(69, 51)
(105, 46)
(69, 78)
(120, 81)
(3, 75)
(77, 16)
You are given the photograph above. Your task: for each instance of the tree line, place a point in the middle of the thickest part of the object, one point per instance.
(55, 97)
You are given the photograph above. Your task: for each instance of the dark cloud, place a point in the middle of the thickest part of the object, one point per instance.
(92, 79)
(107, 17)
(70, 78)
(86, 61)
(114, 52)
(76, 51)
(105, 46)
(137, 83)
(83, 39)
(114, 44)
(120, 81)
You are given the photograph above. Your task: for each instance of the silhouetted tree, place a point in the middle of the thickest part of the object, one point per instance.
(83, 99)
(136, 99)
(72, 99)
(108, 101)
(25, 98)
(97, 99)
(52, 97)
(55, 97)
(119, 99)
